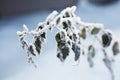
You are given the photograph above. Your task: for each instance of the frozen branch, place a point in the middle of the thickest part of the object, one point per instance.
(71, 35)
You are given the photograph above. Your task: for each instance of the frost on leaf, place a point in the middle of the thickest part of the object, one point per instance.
(115, 48)
(76, 50)
(31, 50)
(91, 55)
(63, 50)
(65, 25)
(58, 21)
(106, 39)
(62, 45)
(43, 35)
(59, 36)
(67, 14)
(37, 45)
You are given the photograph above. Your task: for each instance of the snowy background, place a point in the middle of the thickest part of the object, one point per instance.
(13, 59)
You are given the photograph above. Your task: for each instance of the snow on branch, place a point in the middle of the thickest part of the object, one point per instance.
(71, 36)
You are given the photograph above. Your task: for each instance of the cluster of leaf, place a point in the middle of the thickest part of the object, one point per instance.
(37, 43)
(106, 41)
(35, 47)
(67, 39)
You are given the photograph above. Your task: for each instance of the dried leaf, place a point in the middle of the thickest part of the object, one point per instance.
(74, 37)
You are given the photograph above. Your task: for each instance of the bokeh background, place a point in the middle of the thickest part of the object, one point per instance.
(13, 59)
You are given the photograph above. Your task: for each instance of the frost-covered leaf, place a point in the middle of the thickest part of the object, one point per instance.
(39, 27)
(83, 33)
(42, 39)
(74, 37)
(37, 45)
(59, 55)
(69, 22)
(63, 34)
(57, 37)
(91, 51)
(95, 30)
(43, 35)
(61, 43)
(106, 39)
(65, 51)
(71, 37)
(23, 42)
(76, 50)
(116, 48)
(67, 14)
(31, 50)
(108, 64)
(69, 42)
(91, 55)
(65, 25)
(58, 21)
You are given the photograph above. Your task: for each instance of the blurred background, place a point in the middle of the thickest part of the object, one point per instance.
(13, 59)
